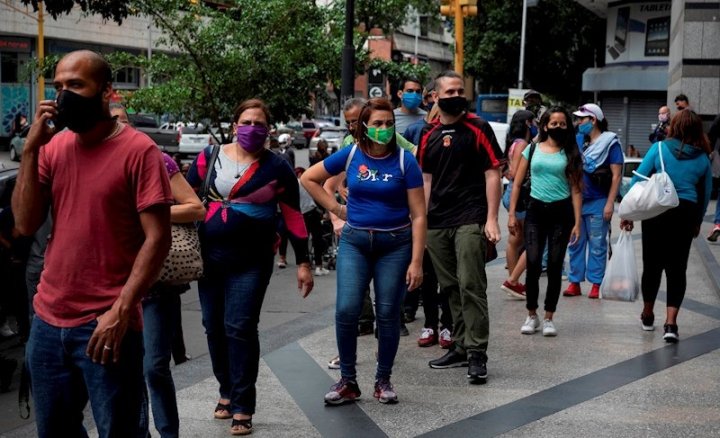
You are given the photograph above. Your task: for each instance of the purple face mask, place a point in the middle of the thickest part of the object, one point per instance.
(251, 137)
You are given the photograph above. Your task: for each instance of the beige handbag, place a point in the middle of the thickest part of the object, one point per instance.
(184, 261)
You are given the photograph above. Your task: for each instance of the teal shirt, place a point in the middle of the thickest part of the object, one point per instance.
(548, 180)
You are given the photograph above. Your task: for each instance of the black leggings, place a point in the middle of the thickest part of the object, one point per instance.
(551, 223)
(313, 223)
(666, 241)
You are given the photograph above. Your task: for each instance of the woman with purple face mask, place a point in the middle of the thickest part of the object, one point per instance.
(238, 239)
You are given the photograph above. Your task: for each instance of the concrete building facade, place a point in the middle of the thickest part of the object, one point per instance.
(654, 51)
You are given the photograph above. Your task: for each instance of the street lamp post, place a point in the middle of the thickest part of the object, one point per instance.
(521, 70)
(348, 55)
(41, 51)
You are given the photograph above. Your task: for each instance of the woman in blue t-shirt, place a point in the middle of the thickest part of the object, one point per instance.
(602, 174)
(382, 241)
(553, 212)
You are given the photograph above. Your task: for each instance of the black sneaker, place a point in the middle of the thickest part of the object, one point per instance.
(671, 333)
(404, 330)
(452, 359)
(7, 368)
(647, 322)
(477, 367)
(714, 234)
(408, 317)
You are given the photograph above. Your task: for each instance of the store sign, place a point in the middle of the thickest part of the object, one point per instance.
(638, 32)
(10, 44)
(515, 101)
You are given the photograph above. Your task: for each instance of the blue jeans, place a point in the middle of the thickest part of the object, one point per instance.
(231, 303)
(507, 194)
(63, 378)
(160, 314)
(589, 255)
(383, 257)
(717, 211)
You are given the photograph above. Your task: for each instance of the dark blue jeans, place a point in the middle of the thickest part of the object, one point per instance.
(160, 314)
(383, 257)
(231, 303)
(63, 378)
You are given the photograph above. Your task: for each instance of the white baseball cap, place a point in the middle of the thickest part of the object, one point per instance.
(590, 110)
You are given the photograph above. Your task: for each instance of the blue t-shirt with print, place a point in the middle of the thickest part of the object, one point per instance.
(591, 190)
(377, 188)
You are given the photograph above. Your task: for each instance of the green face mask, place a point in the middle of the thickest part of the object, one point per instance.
(380, 135)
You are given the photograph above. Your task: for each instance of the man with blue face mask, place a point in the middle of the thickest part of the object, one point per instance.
(411, 95)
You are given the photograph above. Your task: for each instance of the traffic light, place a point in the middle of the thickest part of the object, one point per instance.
(468, 8)
(447, 8)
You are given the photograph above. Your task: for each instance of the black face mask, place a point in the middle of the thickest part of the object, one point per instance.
(558, 134)
(79, 113)
(453, 106)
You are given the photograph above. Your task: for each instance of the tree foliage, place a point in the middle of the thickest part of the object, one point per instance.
(116, 10)
(562, 39)
(211, 58)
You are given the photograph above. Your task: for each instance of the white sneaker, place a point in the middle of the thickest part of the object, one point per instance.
(549, 328)
(320, 271)
(532, 324)
(6, 331)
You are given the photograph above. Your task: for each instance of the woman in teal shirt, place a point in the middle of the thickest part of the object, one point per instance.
(553, 213)
(666, 238)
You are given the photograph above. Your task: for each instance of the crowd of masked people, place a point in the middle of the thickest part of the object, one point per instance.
(413, 195)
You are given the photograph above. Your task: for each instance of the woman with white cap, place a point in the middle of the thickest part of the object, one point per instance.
(602, 172)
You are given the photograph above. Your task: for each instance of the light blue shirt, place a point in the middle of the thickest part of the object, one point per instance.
(548, 180)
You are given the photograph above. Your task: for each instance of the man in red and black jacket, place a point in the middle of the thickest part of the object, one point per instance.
(461, 161)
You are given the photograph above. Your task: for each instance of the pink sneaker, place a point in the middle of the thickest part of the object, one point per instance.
(446, 340)
(594, 292)
(573, 290)
(516, 290)
(428, 338)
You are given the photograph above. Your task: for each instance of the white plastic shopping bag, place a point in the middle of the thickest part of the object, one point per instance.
(651, 197)
(621, 278)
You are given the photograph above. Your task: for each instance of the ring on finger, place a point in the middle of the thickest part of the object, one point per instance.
(107, 347)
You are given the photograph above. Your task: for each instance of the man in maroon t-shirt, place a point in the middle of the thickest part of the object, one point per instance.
(110, 199)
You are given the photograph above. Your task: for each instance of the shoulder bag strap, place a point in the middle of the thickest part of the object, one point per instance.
(210, 167)
(530, 155)
(402, 161)
(350, 157)
(662, 162)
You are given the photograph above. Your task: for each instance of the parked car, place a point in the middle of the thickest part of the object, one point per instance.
(631, 164)
(163, 136)
(193, 140)
(295, 129)
(311, 128)
(17, 143)
(332, 135)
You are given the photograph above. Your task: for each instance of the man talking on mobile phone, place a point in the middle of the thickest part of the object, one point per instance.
(110, 199)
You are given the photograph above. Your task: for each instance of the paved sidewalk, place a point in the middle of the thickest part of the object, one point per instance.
(602, 376)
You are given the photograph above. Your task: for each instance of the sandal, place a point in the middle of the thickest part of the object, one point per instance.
(241, 427)
(222, 411)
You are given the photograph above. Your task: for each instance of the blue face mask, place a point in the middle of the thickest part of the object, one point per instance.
(411, 100)
(533, 131)
(585, 128)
